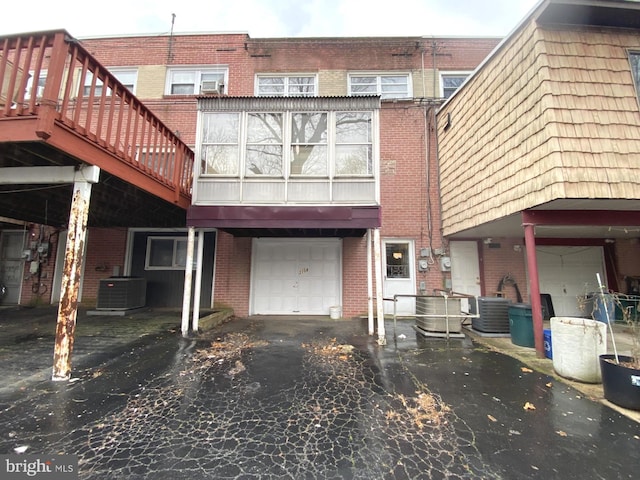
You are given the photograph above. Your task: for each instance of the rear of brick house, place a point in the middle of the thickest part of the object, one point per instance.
(283, 241)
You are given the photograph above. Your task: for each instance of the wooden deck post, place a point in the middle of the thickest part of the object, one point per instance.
(70, 285)
(534, 288)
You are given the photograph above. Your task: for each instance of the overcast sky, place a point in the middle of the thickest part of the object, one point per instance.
(267, 18)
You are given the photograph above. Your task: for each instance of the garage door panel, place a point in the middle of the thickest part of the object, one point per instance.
(296, 276)
(568, 272)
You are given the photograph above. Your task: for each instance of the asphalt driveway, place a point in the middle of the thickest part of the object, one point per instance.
(304, 399)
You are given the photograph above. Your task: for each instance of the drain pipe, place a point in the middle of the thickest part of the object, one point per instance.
(606, 313)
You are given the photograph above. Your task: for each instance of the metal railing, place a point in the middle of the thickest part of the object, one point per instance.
(446, 315)
(49, 75)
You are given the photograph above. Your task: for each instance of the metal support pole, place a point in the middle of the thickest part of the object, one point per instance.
(70, 284)
(370, 283)
(534, 288)
(382, 339)
(188, 275)
(198, 284)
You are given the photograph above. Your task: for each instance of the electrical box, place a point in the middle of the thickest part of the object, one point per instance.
(43, 249)
(445, 264)
(425, 252)
(423, 265)
(26, 255)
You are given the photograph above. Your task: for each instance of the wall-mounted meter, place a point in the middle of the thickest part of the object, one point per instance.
(423, 265)
(445, 264)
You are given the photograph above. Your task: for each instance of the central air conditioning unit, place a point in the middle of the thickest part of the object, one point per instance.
(211, 87)
(121, 293)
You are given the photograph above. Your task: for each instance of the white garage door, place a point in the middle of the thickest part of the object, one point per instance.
(295, 276)
(566, 273)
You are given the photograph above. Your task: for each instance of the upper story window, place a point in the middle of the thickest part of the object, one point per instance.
(450, 82)
(287, 144)
(634, 60)
(40, 85)
(387, 85)
(127, 76)
(286, 86)
(193, 81)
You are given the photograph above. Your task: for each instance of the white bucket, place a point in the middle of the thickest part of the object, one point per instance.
(577, 344)
(335, 312)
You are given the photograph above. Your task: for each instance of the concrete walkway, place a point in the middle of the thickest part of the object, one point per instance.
(301, 398)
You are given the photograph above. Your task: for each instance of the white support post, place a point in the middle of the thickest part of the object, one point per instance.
(198, 283)
(70, 284)
(188, 276)
(382, 339)
(370, 283)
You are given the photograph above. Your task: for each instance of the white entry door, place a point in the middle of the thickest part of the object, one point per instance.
(299, 276)
(465, 269)
(399, 276)
(568, 272)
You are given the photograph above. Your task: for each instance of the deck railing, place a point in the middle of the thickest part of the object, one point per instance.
(51, 76)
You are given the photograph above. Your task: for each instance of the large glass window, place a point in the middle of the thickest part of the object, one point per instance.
(387, 86)
(353, 143)
(309, 144)
(220, 144)
(264, 144)
(286, 86)
(287, 144)
(182, 81)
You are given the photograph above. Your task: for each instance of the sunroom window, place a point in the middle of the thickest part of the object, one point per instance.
(309, 144)
(353, 143)
(220, 144)
(287, 144)
(264, 144)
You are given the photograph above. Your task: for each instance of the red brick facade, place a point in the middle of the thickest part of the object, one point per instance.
(409, 198)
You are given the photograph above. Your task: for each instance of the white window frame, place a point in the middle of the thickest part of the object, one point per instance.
(40, 91)
(198, 73)
(452, 73)
(116, 72)
(286, 78)
(379, 86)
(174, 261)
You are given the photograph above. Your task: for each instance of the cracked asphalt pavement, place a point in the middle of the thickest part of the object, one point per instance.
(300, 398)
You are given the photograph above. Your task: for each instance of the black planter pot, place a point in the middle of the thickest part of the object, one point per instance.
(621, 384)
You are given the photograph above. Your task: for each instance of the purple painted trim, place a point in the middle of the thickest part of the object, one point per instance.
(284, 217)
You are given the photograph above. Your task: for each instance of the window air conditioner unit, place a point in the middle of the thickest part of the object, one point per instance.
(211, 87)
